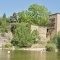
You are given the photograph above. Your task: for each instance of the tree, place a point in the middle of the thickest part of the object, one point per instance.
(35, 36)
(13, 18)
(3, 23)
(0, 21)
(35, 14)
(23, 36)
(24, 16)
(4, 16)
(39, 14)
(56, 39)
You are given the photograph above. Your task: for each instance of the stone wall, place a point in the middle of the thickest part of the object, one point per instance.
(42, 31)
(58, 22)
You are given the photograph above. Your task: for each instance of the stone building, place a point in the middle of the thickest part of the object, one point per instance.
(47, 33)
(42, 31)
(54, 25)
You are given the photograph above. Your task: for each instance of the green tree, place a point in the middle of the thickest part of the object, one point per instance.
(24, 16)
(35, 36)
(35, 14)
(3, 23)
(39, 14)
(56, 39)
(13, 18)
(4, 16)
(23, 36)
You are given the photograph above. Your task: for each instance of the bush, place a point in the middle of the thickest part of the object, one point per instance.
(56, 40)
(8, 45)
(23, 37)
(3, 34)
(50, 46)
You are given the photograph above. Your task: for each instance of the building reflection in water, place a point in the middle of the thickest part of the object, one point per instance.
(8, 56)
(38, 55)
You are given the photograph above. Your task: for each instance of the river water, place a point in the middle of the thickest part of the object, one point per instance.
(28, 55)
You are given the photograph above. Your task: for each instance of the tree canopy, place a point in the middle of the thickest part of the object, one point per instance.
(35, 14)
(23, 37)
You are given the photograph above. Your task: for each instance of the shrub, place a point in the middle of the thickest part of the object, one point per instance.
(56, 40)
(23, 37)
(50, 46)
(8, 45)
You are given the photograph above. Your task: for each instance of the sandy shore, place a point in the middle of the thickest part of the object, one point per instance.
(34, 49)
(28, 49)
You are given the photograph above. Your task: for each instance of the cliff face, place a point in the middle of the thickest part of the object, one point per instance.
(5, 38)
(1, 40)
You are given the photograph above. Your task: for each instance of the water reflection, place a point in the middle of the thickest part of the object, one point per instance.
(58, 55)
(28, 55)
(8, 56)
(0, 53)
(51, 55)
(4, 55)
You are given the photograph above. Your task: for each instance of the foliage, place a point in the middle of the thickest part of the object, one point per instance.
(24, 16)
(3, 34)
(7, 46)
(56, 39)
(23, 36)
(50, 46)
(35, 14)
(13, 18)
(35, 36)
(3, 24)
(55, 42)
(13, 27)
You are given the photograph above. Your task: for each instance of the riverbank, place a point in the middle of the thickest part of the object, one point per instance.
(27, 49)
(33, 49)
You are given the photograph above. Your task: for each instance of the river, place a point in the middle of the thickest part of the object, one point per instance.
(28, 55)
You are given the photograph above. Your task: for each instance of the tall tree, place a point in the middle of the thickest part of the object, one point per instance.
(39, 14)
(24, 16)
(14, 18)
(35, 14)
(4, 16)
(3, 23)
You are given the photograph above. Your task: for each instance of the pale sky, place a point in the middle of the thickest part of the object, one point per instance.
(11, 6)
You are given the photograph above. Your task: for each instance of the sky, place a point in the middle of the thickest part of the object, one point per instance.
(11, 6)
